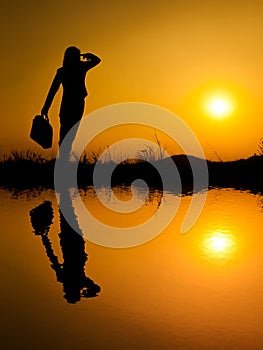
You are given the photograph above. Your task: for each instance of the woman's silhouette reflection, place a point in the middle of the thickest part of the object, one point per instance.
(71, 273)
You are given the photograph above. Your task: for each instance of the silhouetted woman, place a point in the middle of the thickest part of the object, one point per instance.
(71, 273)
(72, 78)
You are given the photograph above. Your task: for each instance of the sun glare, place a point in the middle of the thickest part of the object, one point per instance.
(219, 245)
(219, 106)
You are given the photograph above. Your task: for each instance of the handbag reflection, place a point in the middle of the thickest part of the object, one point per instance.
(41, 131)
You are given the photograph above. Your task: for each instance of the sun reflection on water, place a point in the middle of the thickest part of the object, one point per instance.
(219, 246)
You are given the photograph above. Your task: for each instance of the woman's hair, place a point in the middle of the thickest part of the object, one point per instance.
(71, 57)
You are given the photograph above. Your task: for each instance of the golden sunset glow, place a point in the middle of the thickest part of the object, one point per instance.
(177, 57)
(219, 245)
(219, 107)
(140, 227)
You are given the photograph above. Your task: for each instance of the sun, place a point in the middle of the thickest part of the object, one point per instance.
(219, 106)
(219, 245)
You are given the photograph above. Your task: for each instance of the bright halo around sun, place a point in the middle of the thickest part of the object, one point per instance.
(219, 246)
(219, 106)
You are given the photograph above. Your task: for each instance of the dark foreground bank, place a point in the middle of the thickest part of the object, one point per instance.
(242, 174)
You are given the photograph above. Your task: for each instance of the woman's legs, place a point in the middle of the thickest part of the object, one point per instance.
(68, 118)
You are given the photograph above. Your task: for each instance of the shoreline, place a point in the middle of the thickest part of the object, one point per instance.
(241, 174)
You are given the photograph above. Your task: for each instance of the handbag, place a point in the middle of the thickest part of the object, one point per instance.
(41, 131)
(41, 218)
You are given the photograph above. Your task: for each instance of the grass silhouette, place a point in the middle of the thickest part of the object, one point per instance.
(28, 169)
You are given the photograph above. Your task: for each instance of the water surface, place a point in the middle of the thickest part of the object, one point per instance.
(200, 290)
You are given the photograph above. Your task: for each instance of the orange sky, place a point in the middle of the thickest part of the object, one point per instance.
(169, 53)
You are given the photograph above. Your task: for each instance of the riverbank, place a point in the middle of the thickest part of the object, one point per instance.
(242, 173)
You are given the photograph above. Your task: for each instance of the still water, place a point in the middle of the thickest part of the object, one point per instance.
(199, 290)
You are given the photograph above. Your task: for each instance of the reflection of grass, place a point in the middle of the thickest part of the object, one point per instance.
(29, 169)
(242, 173)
